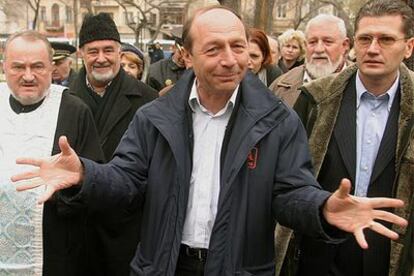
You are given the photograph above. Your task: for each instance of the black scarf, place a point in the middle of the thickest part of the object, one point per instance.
(100, 106)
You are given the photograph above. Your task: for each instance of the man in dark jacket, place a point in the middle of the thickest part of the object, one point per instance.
(214, 164)
(166, 72)
(360, 125)
(39, 239)
(62, 74)
(113, 96)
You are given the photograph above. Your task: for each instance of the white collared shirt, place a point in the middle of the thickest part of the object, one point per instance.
(209, 130)
(372, 115)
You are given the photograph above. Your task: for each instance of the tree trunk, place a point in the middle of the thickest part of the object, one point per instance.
(234, 4)
(263, 16)
(36, 14)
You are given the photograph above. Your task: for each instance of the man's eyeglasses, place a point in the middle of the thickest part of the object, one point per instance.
(383, 41)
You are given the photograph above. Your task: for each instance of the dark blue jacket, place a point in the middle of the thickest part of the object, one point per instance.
(266, 175)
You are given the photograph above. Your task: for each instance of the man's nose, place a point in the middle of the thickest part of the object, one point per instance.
(374, 47)
(28, 74)
(319, 47)
(228, 58)
(101, 57)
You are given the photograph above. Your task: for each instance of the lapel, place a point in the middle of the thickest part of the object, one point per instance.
(169, 116)
(345, 128)
(328, 95)
(120, 107)
(386, 150)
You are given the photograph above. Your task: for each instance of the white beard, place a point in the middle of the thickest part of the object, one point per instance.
(103, 77)
(318, 71)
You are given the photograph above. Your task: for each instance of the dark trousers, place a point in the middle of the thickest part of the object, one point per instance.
(189, 264)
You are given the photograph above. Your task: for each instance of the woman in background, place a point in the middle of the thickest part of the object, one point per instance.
(132, 60)
(260, 57)
(293, 48)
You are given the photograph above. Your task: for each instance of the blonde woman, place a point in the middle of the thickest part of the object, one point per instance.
(293, 47)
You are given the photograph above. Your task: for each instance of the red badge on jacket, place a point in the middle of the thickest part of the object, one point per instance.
(252, 158)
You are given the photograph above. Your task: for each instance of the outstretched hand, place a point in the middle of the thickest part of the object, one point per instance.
(58, 172)
(354, 214)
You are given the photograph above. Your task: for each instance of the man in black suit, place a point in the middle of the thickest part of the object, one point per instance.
(360, 126)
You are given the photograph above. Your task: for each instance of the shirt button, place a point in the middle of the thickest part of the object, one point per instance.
(365, 168)
(369, 141)
(373, 114)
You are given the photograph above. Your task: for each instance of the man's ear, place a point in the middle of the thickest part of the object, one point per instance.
(188, 58)
(347, 44)
(409, 48)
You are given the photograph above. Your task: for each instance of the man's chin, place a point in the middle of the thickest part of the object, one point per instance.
(103, 77)
(28, 100)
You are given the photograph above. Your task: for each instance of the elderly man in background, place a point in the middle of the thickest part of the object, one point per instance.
(274, 49)
(62, 74)
(113, 97)
(39, 239)
(326, 47)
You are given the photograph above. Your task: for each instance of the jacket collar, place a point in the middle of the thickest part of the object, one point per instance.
(292, 78)
(171, 108)
(259, 111)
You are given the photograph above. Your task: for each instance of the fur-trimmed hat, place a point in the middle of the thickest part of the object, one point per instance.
(98, 27)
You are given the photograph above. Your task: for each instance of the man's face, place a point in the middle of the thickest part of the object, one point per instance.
(102, 60)
(274, 50)
(28, 70)
(379, 62)
(61, 69)
(326, 49)
(219, 54)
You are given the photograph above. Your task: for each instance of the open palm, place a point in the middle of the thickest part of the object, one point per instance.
(354, 214)
(58, 172)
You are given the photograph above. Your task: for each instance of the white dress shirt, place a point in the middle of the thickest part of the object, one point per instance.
(209, 130)
(372, 116)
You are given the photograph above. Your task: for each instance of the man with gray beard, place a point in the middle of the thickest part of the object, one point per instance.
(113, 97)
(327, 46)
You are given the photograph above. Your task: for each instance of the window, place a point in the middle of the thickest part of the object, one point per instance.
(69, 14)
(128, 17)
(281, 10)
(55, 15)
(152, 18)
(42, 13)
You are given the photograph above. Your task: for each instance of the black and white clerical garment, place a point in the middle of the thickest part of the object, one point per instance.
(41, 239)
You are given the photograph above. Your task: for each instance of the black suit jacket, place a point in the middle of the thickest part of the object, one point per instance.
(318, 258)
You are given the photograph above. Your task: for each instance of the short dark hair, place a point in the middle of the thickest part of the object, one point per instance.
(29, 35)
(376, 8)
(186, 37)
(259, 37)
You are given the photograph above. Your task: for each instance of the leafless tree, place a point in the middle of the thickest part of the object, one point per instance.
(14, 8)
(34, 5)
(142, 22)
(234, 4)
